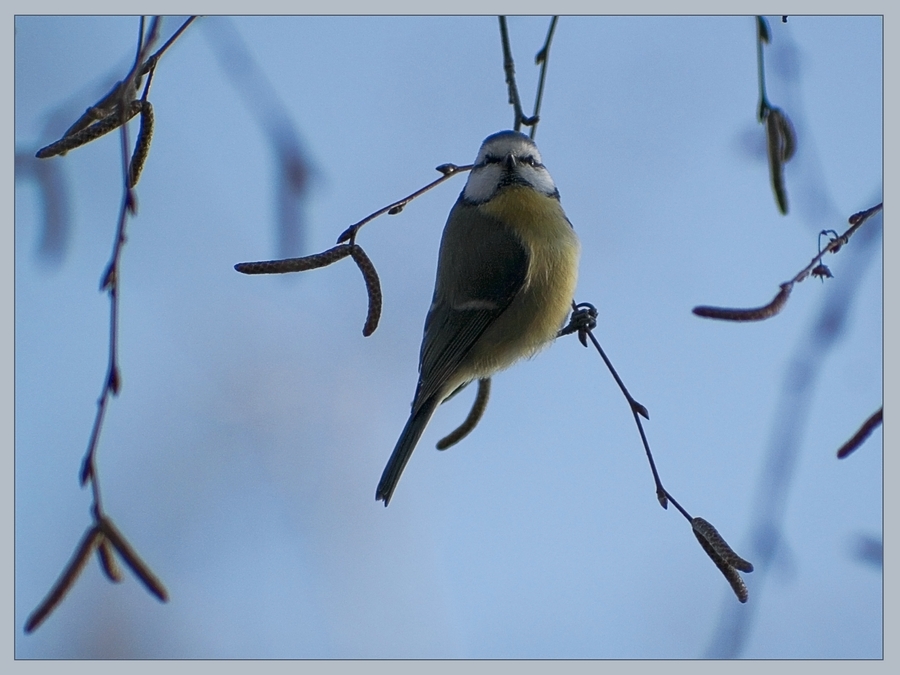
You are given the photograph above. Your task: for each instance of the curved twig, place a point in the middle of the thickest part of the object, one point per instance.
(814, 267)
(472, 419)
(752, 314)
(373, 288)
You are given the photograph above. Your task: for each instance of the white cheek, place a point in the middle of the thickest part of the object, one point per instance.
(482, 183)
(539, 179)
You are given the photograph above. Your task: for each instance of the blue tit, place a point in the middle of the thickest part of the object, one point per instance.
(506, 277)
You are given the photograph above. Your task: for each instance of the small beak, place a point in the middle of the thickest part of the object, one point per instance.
(510, 162)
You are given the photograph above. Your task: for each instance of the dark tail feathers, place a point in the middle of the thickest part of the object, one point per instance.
(412, 432)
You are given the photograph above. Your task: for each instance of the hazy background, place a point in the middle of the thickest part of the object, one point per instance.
(242, 454)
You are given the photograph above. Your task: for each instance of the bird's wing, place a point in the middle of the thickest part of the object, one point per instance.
(482, 266)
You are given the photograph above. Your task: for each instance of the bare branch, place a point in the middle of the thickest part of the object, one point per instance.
(107, 114)
(150, 63)
(583, 321)
(860, 436)
(542, 58)
(113, 111)
(448, 171)
(778, 302)
(509, 69)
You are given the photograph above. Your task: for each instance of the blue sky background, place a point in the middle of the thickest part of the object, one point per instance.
(242, 454)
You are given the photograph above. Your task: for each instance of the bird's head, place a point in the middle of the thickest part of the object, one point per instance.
(507, 158)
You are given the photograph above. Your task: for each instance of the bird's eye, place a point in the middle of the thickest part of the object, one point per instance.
(530, 160)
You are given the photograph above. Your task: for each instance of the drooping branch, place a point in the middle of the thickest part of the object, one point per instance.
(112, 112)
(781, 140)
(472, 419)
(347, 246)
(583, 321)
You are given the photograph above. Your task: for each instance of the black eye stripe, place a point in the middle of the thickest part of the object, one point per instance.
(496, 159)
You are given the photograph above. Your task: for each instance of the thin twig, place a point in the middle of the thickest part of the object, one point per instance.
(117, 108)
(583, 321)
(101, 118)
(472, 419)
(860, 436)
(542, 58)
(449, 170)
(151, 62)
(347, 247)
(762, 37)
(780, 300)
(509, 69)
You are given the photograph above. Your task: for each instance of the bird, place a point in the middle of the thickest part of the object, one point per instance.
(506, 276)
